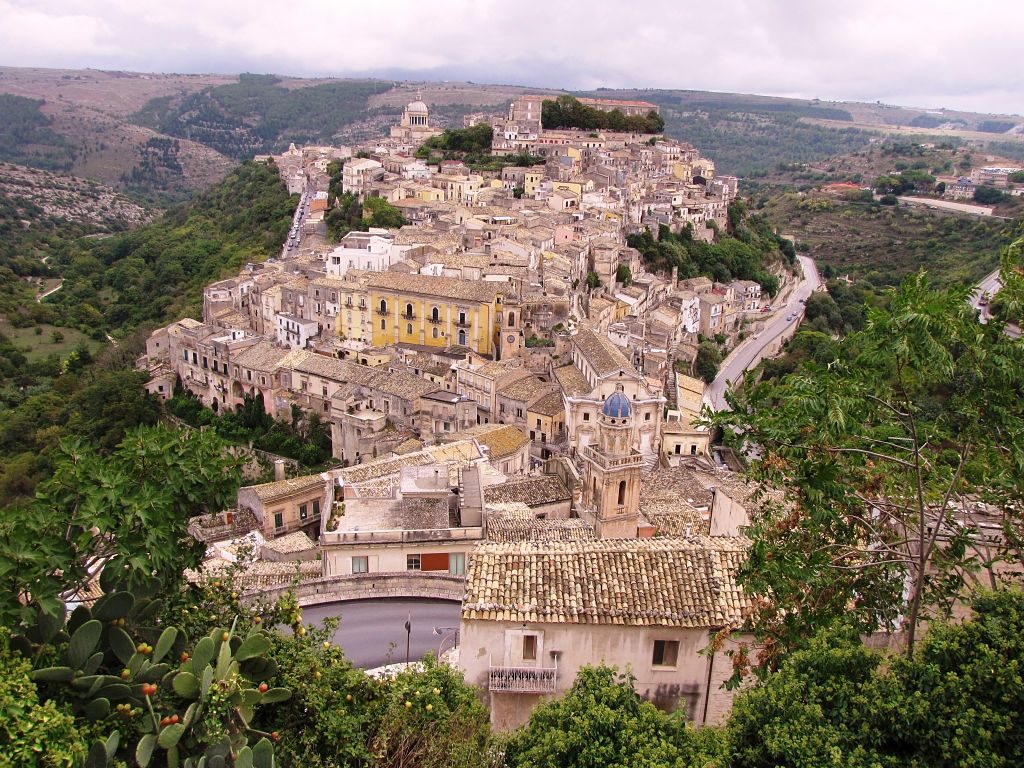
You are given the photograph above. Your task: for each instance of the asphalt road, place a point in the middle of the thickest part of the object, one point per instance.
(947, 205)
(749, 351)
(369, 628)
(990, 284)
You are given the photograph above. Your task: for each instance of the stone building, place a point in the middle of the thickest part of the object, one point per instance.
(536, 612)
(415, 127)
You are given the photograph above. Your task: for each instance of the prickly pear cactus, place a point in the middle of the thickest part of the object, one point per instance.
(194, 706)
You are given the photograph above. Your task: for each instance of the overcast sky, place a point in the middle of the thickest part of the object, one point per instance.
(925, 53)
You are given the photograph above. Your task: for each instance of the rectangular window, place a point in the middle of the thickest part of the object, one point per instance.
(666, 653)
(361, 564)
(586, 417)
(457, 563)
(195, 358)
(185, 355)
(529, 647)
(303, 511)
(206, 362)
(412, 562)
(316, 507)
(279, 520)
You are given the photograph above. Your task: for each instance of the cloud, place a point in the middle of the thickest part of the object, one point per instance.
(932, 53)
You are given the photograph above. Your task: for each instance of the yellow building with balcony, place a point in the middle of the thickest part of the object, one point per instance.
(436, 312)
(354, 311)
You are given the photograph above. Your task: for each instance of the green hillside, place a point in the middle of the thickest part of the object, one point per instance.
(747, 135)
(157, 272)
(59, 376)
(26, 137)
(882, 244)
(257, 114)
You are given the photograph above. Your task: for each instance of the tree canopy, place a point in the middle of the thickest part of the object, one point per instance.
(746, 254)
(958, 702)
(569, 112)
(885, 453)
(132, 505)
(601, 722)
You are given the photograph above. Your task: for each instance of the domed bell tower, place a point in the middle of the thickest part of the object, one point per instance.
(612, 469)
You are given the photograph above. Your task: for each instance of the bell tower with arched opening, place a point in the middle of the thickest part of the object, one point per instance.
(612, 469)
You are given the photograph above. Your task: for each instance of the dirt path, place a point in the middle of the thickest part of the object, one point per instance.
(53, 290)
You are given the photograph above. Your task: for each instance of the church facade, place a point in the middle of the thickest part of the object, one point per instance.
(415, 126)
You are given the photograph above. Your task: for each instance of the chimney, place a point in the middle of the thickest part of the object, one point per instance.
(278, 469)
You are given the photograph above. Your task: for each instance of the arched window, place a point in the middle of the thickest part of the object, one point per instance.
(622, 493)
(511, 319)
(383, 324)
(462, 337)
(383, 307)
(434, 333)
(408, 327)
(408, 310)
(435, 315)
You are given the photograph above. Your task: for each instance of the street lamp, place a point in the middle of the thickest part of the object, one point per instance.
(443, 633)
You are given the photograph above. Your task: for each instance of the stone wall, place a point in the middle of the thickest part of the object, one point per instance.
(371, 586)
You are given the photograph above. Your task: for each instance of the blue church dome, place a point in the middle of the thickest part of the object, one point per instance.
(617, 406)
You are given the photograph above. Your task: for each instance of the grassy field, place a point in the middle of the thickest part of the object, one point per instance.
(882, 244)
(39, 346)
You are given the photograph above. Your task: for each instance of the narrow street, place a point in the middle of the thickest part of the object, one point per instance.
(372, 632)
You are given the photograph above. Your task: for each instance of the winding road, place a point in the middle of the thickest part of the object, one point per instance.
(990, 284)
(749, 352)
(372, 632)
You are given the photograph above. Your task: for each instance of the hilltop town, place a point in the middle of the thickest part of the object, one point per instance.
(507, 387)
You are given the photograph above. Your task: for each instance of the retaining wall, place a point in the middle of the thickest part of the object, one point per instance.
(371, 586)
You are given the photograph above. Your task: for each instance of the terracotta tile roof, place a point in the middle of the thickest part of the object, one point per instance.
(572, 380)
(671, 517)
(400, 383)
(514, 525)
(461, 453)
(502, 440)
(262, 356)
(532, 491)
(445, 287)
(640, 582)
(549, 405)
(680, 483)
(261, 574)
(268, 492)
(408, 446)
(290, 543)
(524, 389)
(605, 357)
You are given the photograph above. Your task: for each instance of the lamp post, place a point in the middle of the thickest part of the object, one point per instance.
(408, 637)
(443, 633)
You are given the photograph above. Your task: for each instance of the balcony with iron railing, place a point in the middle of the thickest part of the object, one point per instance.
(522, 679)
(382, 312)
(462, 322)
(435, 320)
